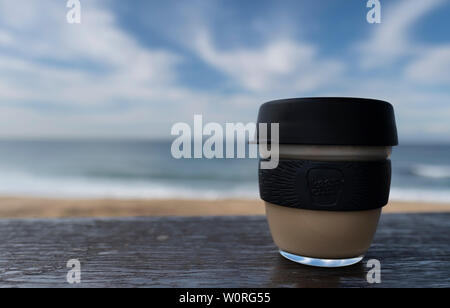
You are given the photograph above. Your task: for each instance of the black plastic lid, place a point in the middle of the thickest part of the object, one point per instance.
(331, 121)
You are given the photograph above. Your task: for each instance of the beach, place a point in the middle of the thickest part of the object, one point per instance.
(23, 207)
(83, 178)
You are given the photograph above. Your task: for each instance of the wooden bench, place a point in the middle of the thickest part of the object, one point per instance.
(414, 250)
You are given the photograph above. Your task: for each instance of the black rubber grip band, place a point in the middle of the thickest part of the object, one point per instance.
(327, 186)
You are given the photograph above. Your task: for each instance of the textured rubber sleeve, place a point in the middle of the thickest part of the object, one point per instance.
(328, 186)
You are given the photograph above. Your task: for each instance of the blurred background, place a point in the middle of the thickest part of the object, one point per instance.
(86, 109)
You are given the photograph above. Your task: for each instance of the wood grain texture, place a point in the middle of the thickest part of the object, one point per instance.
(209, 252)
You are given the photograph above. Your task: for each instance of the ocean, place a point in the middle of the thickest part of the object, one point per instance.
(146, 169)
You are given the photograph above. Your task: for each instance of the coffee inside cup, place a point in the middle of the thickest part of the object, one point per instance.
(325, 198)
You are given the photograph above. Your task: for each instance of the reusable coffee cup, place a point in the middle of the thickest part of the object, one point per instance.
(324, 199)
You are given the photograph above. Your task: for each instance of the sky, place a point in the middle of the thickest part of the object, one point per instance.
(132, 69)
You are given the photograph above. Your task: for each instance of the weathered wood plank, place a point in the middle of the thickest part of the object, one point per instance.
(414, 250)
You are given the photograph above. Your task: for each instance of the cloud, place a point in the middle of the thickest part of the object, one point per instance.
(399, 68)
(391, 39)
(97, 79)
(431, 68)
(115, 64)
(88, 72)
(277, 65)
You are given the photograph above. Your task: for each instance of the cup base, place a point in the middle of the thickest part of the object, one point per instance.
(320, 262)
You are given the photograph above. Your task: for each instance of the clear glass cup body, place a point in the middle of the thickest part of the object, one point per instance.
(325, 238)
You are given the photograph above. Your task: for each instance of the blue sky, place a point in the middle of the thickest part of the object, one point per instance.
(133, 68)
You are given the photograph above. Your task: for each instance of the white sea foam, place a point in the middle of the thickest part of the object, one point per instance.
(20, 184)
(431, 171)
(66, 187)
(412, 194)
